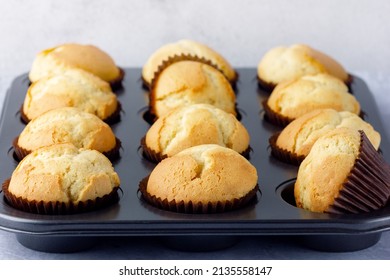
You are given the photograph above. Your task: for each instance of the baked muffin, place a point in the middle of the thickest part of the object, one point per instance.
(62, 179)
(292, 99)
(286, 63)
(57, 60)
(190, 82)
(201, 179)
(67, 125)
(186, 47)
(194, 125)
(73, 88)
(343, 173)
(294, 142)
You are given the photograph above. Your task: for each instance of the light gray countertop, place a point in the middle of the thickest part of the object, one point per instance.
(355, 33)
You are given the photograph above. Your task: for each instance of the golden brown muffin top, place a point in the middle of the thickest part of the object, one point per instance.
(297, 97)
(286, 63)
(63, 173)
(188, 47)
(57, 60)
(67, 125)
(189, 82)
(205, 173)
(322, 173)
(300, 135)
(73, 88)
(195, 125)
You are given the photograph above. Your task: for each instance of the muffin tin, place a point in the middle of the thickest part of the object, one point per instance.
(273, 212)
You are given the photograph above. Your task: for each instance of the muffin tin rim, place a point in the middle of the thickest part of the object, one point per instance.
(382, 221)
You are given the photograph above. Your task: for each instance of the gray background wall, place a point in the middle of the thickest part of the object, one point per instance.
(356, 33)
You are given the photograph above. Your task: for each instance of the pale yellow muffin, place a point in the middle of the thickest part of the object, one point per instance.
(67, 125)
(323, 172)
(300, 135)
(195, 125)
(297, 97)
(286, 63)
(343, 173)
(63, 173)
(57, 60)
(187, 47)
(73, 88)
(203, 174)
(189, 82)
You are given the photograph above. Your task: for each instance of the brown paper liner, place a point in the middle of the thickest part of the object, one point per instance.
(367, 187)
(246, 152)
(23, 116)
(149, 117)
(58, 208)
(267, 86)
(156, 157)
(117, 83)
(274, 117)
(283, 154)
(115, 117)
(112, 154)
(150, 154)
(349, 80)
(112, 119)
(184, 57)
(20, 153)
(193, 207)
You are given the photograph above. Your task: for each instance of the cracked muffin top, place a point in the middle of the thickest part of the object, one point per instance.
(204, 173)
(286, 63)
(63, 173)
(185, 47)
(189, 82)
(295, 98)
(67, 125)
(300, 135)
(73, 88)
(195, 125)
(59, 59)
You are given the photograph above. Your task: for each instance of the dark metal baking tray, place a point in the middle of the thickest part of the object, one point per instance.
(273, 213)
